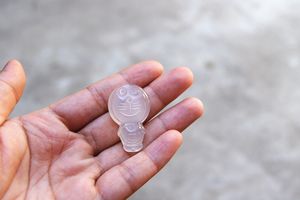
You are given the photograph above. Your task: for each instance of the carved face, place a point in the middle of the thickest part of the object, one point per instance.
(129, 103)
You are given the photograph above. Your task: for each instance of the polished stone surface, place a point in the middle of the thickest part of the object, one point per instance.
(245, 57)
(129, 107)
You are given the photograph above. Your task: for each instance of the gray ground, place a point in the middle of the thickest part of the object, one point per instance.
(245, 57)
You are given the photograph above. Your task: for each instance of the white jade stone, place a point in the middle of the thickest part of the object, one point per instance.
(129, 106)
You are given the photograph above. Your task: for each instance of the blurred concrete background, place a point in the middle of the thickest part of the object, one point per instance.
(245, 57)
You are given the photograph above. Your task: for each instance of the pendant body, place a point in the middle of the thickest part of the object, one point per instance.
(129, 107)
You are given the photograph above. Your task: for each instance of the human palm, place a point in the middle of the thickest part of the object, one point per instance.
(70, 149)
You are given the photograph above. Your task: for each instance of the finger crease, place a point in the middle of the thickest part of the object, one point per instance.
(156, 167)
(101, 169)
(58, 116)
(158, 97)
(124, 77)
(94, 141)
(98, 97)
(128, 176)
(163, 123)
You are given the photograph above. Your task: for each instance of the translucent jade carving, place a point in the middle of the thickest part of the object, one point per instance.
(129, 107)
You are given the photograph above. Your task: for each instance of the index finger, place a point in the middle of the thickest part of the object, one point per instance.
(79, 109)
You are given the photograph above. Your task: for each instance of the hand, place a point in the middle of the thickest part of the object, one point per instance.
(70, 149)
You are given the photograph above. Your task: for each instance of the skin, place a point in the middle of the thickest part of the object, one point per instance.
(70, 149)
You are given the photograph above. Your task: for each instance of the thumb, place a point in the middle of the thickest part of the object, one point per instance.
(12, 83)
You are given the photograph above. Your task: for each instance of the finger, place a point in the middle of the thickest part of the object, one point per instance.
(12, 83)
(100, 132)
(84, 106)
(124, 179)
(177, 118)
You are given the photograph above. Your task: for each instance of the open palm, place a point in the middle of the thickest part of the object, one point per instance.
(70, 149)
